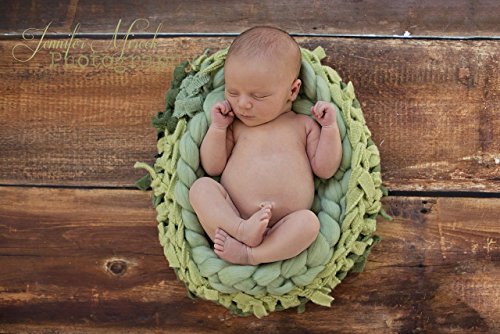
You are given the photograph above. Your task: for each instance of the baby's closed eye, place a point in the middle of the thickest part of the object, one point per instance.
(259, 97)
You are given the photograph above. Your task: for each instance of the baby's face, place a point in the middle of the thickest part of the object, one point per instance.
(258, 90)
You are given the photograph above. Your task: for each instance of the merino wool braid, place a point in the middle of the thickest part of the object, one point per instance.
(346, 204)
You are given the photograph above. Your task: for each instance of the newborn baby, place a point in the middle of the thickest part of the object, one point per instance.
(266, 153)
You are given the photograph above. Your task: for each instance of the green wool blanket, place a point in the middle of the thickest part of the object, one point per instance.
(346, 204)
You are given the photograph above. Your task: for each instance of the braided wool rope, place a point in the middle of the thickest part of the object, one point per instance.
(346, 204)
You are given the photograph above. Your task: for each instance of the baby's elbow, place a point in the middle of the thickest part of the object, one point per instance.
(213, 171)
(324, 174)
(326, 170)
(210, 166)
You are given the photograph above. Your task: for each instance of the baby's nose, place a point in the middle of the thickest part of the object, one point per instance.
(244, 102)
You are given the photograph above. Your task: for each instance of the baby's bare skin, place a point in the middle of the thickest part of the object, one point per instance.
(266, 187)
(269, 163)
(267, 156)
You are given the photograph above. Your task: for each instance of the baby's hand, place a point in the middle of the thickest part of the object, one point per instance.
(324, 113)
(222, 115)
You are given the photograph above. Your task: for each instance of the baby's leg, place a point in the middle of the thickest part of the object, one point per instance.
(214, 209)
(286, 239)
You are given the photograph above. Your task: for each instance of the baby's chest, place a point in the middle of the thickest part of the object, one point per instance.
(284, 147)
(254, 156)
(271, 140)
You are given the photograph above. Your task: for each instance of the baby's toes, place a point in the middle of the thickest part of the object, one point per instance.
(266, 215)
(220, 237)
(266, 205)
(221, 234)
(219, 247)
(219, 242)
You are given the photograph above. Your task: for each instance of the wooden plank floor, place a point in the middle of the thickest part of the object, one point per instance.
(432, 107)
(91, 257)
(382, 17)
(79, 251)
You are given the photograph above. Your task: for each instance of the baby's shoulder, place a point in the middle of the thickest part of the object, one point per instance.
(299, 117)
(304, 120)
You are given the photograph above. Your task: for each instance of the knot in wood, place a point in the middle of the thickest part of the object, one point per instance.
(117, 267)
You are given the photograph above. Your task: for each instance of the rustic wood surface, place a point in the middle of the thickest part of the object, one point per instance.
(354, 17)
(88, 258)
(79, 250)
(432, 107)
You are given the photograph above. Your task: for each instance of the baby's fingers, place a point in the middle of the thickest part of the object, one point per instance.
(318, 111)
(224, 107)
(217, 108)
(314, 112)
(227, 105)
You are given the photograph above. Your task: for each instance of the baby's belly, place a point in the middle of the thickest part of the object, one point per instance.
(285, 179)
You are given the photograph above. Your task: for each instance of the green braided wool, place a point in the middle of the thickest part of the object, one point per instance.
(346, 204)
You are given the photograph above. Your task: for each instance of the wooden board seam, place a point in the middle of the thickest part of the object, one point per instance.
(106, 36)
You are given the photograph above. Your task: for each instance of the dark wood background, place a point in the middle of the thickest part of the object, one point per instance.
(78, 243)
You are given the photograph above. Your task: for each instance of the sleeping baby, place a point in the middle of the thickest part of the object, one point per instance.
(266, 154)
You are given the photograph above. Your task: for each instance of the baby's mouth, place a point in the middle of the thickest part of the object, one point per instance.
(244, 116)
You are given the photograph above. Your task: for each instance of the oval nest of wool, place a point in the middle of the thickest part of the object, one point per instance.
(347, 204)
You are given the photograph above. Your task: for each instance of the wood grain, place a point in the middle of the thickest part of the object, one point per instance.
(423, 18)
(79, 254)
(431, 106)
(84, 260)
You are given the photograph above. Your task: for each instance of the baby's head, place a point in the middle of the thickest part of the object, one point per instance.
(261, 74)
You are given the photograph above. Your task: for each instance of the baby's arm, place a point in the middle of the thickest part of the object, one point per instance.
(324, 146)
(218, 142)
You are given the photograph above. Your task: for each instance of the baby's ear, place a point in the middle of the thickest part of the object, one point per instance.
(295, 89)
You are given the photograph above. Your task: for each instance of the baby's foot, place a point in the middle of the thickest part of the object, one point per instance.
(230, 249)
(251, 231)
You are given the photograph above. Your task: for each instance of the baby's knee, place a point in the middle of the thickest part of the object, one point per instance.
(200, 187)
(313, 224)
